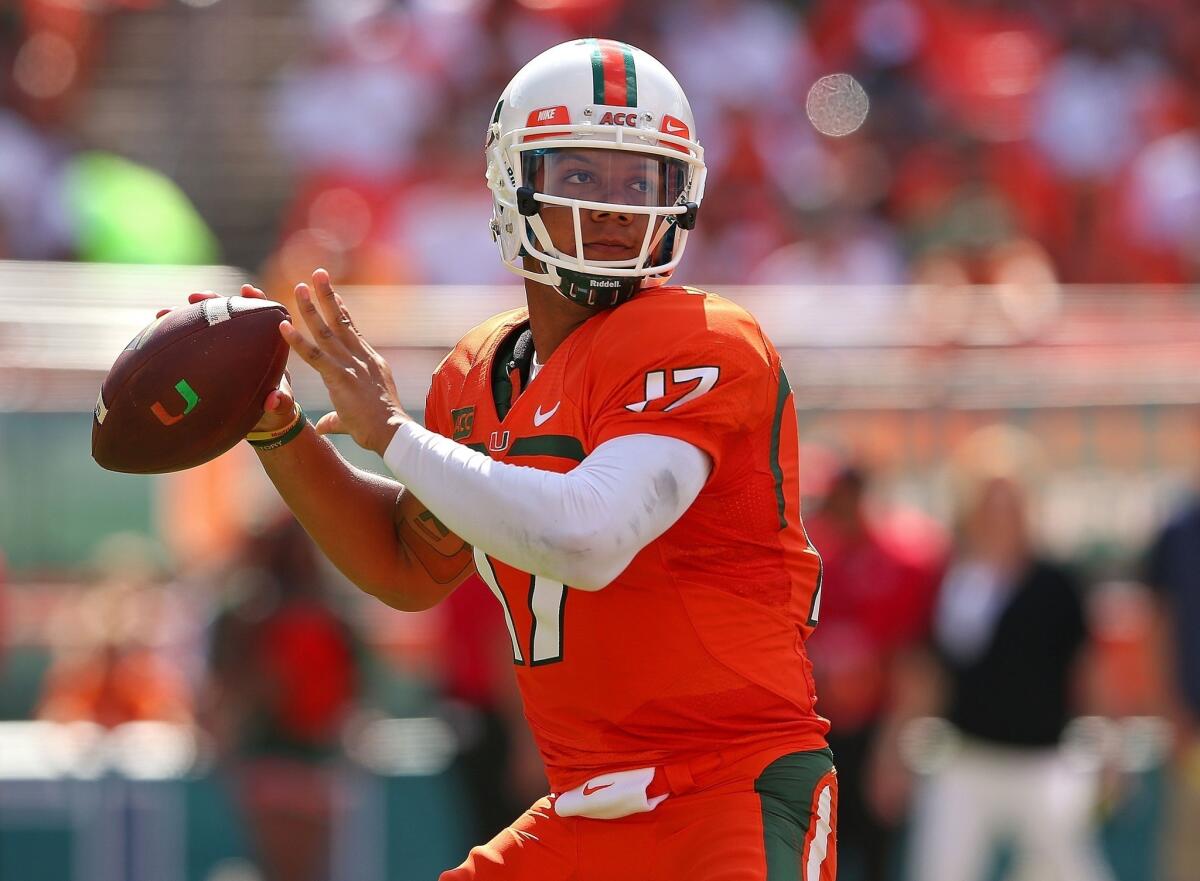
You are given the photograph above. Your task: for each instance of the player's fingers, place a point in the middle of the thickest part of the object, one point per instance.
(249, 290)
(309, 352)
(345, 319)
(279, 401)
(322, 334)
(161, 312)
(332, 309)
(330, 423)
(202, 295)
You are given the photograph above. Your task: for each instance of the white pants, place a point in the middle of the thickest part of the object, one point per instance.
(982, 796)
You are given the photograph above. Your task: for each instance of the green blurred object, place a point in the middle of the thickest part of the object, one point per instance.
(127, 213)
(58, 504)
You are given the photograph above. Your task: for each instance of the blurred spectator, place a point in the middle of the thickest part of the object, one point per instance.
(439, 226)
(878, 585)
(1091, 118)
(981, 61)
(284, 677)
(497, 759)
(358, 104)
(111, 665)
(837, 248)
(56, 46)
(340, 223)
(830, 233)
(361, 87)
(33, 218)
(1160, 193)
(1173, 570)
(5, 617)
(965, 205)
(1126, 690)
(743, 61)
(1008, 634)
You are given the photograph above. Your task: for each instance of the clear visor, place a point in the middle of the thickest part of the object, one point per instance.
(615, 177)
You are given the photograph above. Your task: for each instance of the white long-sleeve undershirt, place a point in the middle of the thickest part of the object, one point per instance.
(581, 528)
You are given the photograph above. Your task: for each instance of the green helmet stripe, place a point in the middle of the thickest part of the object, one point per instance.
(597, 73)
(630, 76)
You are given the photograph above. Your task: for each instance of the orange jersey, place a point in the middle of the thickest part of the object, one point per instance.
(698, 645)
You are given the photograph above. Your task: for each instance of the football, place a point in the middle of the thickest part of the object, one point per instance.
(189, 386)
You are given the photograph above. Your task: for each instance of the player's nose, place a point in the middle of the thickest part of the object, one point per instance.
(605, 215)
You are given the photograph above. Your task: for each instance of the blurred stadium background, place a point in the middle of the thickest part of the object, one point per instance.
(188, 694)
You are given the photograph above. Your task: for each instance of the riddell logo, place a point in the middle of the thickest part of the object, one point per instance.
(610, 118)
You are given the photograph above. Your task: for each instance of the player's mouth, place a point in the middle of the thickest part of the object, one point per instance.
(609, 249)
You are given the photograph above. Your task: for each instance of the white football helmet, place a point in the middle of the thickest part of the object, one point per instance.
(594, 95)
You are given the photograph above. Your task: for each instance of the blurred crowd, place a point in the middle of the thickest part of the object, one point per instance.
(1008, 140)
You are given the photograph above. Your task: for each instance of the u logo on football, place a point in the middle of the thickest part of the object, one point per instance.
(190, 398)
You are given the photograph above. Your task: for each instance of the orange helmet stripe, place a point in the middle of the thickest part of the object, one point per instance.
(614, 78)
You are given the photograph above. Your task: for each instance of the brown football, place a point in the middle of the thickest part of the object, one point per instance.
(189, 386)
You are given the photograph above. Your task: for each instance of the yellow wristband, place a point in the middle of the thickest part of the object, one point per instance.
(257, 436)
(292, 434)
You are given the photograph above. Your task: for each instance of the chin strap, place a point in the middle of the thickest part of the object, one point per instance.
(595, 291)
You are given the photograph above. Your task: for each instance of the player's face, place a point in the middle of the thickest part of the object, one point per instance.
(617, 177)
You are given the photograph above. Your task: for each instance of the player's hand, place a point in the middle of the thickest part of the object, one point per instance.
(248, 290)
(279, 407)
(359, 381)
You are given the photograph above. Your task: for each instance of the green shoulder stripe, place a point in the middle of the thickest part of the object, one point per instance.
(562, 446)
(776, 426)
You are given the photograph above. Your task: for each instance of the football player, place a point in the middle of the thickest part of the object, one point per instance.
(618, 462)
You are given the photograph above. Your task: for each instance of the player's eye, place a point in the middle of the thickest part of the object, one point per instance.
(580, 178)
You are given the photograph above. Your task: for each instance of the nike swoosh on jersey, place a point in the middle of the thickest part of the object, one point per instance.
(588, 789)
(540, 418)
